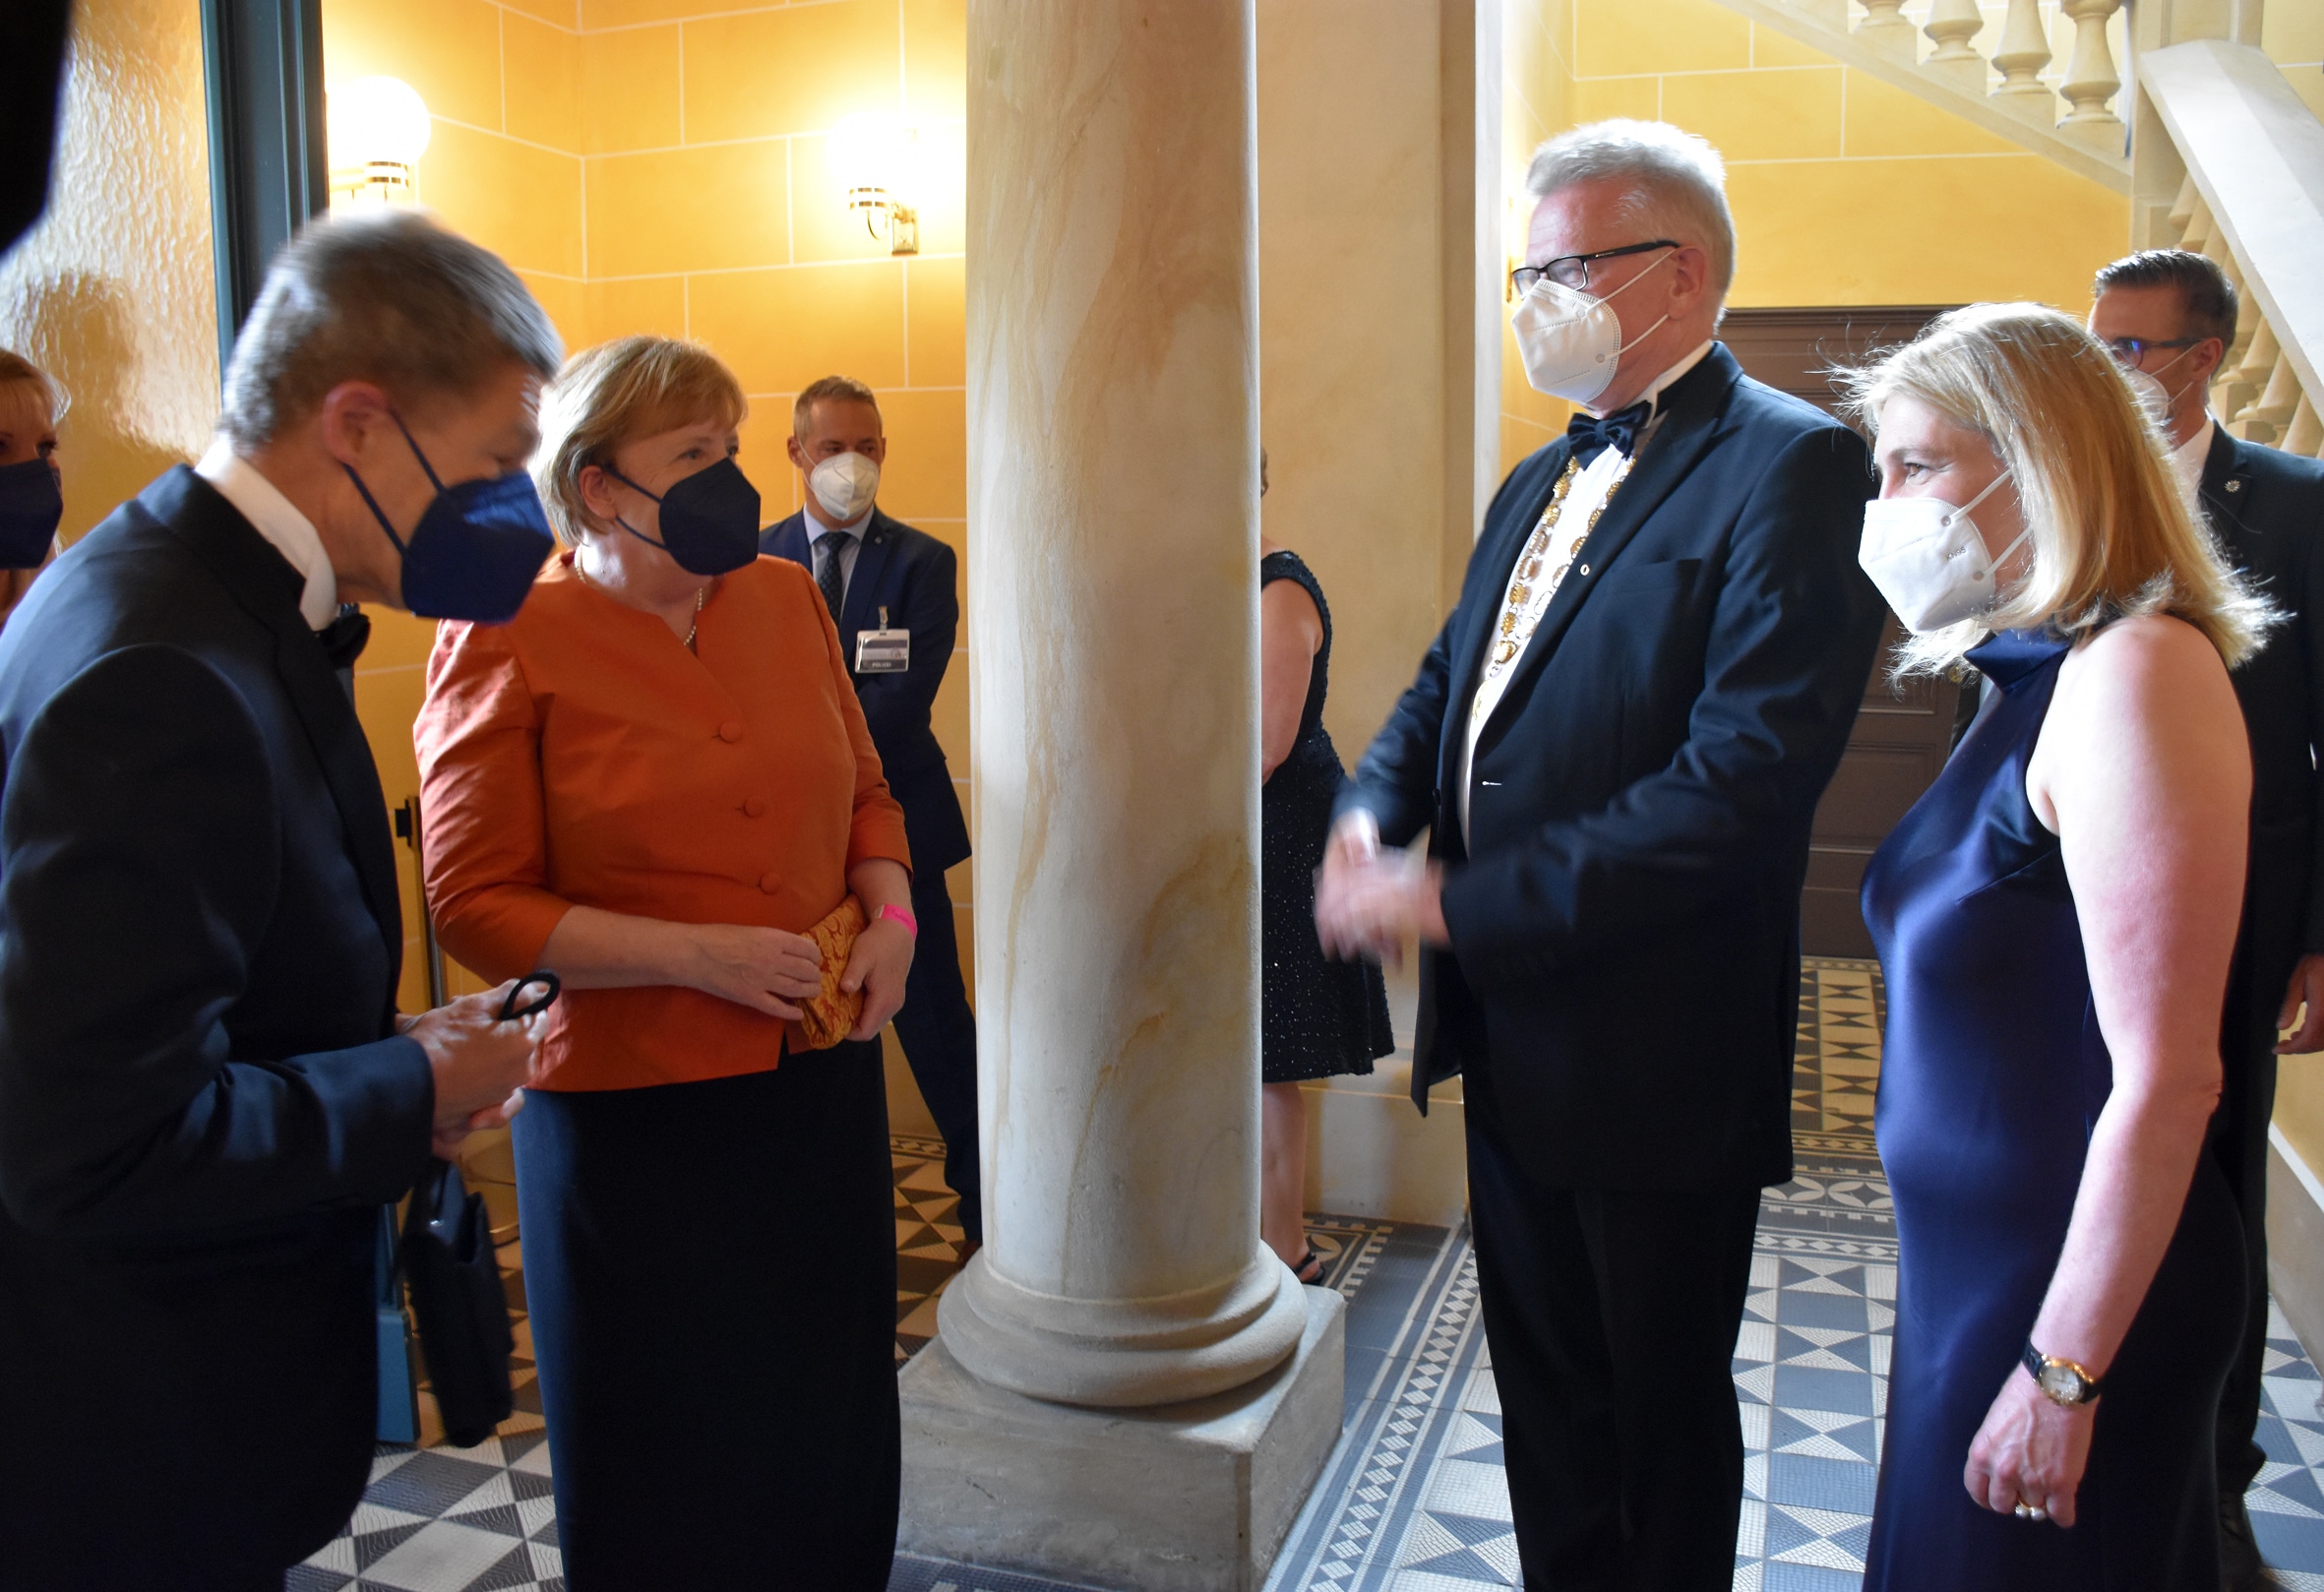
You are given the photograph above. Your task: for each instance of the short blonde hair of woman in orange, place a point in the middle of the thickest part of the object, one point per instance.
(607, 396)
(2110, 534)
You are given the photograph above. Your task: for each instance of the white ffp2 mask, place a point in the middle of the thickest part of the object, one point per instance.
(1928, 560)
(1569, 342)
(844, 485)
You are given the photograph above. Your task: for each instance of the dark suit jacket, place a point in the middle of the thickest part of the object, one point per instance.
(200, 1109)
(1622, 982)
(914, 576)
(2267, 508)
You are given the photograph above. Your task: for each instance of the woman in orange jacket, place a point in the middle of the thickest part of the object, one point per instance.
(656, 780)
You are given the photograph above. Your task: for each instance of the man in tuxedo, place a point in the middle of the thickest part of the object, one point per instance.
(1617, 744)
(893, 592)
(206, 1093)
(2168, 316)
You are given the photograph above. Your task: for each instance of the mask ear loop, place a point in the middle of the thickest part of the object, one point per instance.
(372, 503)
(1623, 348)
(642, 492)
(1962, 513)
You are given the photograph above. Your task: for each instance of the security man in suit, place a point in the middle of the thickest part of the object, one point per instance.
(893, 594)
(2168, 316)
(206, 1093)
(1617, 744)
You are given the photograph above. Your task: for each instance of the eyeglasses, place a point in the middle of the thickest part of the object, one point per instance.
(1574, 270)
(2133, 350)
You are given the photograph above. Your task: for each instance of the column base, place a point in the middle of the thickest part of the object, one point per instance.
(1173, 1498)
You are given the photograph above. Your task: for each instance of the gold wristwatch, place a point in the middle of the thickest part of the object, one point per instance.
(2062, 1381)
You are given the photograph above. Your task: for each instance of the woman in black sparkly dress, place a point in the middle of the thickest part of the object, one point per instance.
(1317, 1018)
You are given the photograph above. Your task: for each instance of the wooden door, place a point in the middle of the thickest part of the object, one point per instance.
(1902, 735)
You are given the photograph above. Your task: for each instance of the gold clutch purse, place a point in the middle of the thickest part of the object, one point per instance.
(831, 1013)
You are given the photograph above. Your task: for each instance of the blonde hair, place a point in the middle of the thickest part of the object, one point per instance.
(16, 368)
(2111, 533)
(615, 394)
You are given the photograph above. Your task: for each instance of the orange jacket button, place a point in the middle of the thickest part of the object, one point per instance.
(731, 730)
(755, 806)
(769, 882)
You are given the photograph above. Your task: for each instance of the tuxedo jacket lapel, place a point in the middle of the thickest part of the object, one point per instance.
(267, 589)
(1475, 634)
(1690, 418)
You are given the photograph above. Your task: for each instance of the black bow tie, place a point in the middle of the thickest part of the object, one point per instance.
(344, 638)
(1592, 436)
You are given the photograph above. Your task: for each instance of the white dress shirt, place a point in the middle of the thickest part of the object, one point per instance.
(1583, 500)
(2189, 460)
(273, 517)
(817, 530)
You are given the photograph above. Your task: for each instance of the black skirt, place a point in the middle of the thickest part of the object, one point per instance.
(711, 1273)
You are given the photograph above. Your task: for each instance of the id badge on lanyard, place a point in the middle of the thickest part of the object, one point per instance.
(882, 650)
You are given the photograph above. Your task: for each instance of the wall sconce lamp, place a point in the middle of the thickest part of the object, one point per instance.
(378, 129)
(873, 157)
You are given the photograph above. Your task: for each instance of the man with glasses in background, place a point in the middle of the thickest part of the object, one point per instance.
(2170, 318)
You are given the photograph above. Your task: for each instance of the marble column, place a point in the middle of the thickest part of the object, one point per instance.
(1113, 467)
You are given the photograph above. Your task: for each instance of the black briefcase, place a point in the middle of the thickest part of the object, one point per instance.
(460, 1305)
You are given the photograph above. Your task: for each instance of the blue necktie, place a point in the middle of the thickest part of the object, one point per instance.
(832, 576)
(1592, 436)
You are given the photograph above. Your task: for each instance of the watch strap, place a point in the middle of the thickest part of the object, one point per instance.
(2038, 1365)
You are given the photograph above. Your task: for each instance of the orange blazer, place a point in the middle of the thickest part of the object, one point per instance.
(580, 755)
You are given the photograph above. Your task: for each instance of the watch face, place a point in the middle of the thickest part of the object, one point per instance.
(2061, 1383)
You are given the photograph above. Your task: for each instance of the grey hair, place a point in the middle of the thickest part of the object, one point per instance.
(1676, 182)
(387, 296)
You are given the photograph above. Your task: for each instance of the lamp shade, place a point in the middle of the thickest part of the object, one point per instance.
(376, 120)
(870, 150)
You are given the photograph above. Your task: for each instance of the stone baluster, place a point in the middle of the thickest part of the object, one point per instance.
(2091, 78)
(2266, 417)
(2196, 231)
(2239, 379)
(1885, 27)
(2305, 434)
(2024, 52)
(1112, 337)
(2183, 209)
(1952, 23)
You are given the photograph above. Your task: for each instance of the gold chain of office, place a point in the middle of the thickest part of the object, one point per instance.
(1516, 627)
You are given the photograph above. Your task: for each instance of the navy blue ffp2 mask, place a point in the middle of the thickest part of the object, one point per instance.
(709, 520)
(31, 507)
(477, 549)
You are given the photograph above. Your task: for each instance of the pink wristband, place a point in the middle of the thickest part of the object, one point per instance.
(910, 922)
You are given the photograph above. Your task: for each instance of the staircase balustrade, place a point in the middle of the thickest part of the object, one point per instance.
(2017, 91)
(2249, 158)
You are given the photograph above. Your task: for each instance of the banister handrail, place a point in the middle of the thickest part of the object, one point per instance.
(2254, 155)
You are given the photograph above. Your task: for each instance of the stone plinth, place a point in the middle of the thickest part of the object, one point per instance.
(1194, 1496)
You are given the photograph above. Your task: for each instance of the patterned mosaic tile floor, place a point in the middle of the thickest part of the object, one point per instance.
(1413, 1498)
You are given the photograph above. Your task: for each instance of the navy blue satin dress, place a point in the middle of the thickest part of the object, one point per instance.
(1993, 1075)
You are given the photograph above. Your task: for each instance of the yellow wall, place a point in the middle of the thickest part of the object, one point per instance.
(1536, 104)
(2291, 31)
(647, 168)
(112, 294)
